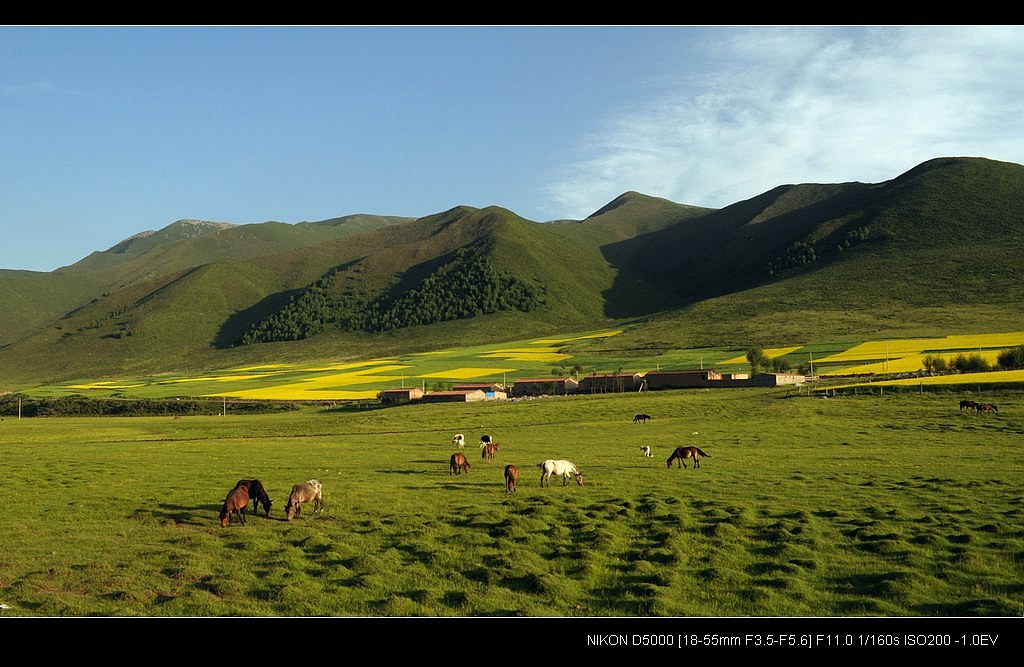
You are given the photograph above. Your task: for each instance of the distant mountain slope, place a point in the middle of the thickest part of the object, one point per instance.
(34, 298)
(929, 251)
(188, 243)
(935, 247)
(411, 279)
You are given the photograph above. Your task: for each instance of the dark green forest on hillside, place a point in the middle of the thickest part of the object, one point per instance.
(462, 288)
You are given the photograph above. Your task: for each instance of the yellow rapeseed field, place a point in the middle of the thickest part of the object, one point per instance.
(363, 379)
(893, 349)
(771, 353)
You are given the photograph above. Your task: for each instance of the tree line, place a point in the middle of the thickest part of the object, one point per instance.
(462, 288)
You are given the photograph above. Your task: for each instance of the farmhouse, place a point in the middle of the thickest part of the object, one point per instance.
(680, 379)
(610, 382)
(493, 390)
(777, 379)
(544, 387)
(454, 396)
(393, 396)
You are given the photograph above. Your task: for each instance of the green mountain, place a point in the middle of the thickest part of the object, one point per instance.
(932, 252)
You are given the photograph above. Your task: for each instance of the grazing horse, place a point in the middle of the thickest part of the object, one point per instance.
(236, 502)
(559, 467)
(646, 450)
(682, 453)
(257, 493)
(967, 405)
(641, 418)
(309, 491)
(459, 441)
(458, 464)
(986, 407)
(511, 477)
(488, 450)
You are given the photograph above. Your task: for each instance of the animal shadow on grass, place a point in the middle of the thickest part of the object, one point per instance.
(193, 515)
(460, 485)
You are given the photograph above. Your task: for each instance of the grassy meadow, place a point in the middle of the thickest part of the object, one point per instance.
(894, 504)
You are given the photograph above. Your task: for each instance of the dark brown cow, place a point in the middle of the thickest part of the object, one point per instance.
(458, 464)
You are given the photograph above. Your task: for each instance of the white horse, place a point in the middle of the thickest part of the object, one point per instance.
(561, 468)
(459, 441)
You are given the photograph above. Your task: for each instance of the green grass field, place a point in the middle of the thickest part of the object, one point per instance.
(861, 505)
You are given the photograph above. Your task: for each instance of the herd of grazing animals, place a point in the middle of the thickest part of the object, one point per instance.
(567, 470)
(980, 407)
(237, 501)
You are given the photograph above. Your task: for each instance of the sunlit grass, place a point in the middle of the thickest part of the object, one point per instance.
(805, 507)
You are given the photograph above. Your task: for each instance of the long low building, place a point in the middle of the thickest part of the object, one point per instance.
(391, 396)
(464, 396)
(680, 379)
(544, 387)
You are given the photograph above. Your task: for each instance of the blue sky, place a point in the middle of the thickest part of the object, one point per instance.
(110, 131)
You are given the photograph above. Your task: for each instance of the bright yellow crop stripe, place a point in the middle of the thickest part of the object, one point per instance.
(771, 353)
(891, 349)
(954, 378)
(466, 373)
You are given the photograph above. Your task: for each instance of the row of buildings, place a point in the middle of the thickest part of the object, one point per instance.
(592, 384)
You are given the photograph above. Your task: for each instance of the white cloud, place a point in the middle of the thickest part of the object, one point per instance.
(795, 105)
(33, 87)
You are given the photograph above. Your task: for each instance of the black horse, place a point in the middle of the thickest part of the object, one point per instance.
(257, 493)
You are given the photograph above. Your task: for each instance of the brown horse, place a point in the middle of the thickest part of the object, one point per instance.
(307, 492)
(487, 451)
(236, 503)
(682, 453)
(458, 464)
(257, 493)
(986, 407)
(511, 477)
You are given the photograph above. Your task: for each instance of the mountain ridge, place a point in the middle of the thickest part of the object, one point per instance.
(943, 236)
